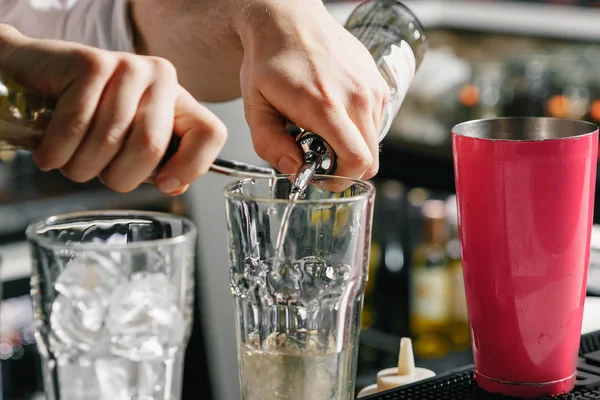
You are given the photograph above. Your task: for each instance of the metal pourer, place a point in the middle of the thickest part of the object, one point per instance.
(316, 151)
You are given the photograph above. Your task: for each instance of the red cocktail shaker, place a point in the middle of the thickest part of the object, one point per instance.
(525, 191)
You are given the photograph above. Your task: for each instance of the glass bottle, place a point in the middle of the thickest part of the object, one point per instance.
(397, 42)
(431, 290)
(24, 115)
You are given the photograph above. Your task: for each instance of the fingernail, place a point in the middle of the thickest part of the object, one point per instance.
(167, 185)
(287, 165)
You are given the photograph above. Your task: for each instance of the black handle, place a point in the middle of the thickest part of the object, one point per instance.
(171, 150)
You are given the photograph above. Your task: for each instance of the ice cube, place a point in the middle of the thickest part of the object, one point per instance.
(115, 378)
(144, 319)
(89, 272)
(151, 380)
(80, 307)
(88, 280)
(68, 329)
(156, 262)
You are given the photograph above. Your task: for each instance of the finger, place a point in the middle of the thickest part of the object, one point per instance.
(203, 135)
(370, 133)
(74, 74)
(271, 140)
(111, 124)
(363, 120)
(354, 156)
(73, 115)
(315, 110)
(150, 135)
(379, 114)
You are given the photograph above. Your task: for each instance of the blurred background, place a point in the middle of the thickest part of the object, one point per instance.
(487, 58)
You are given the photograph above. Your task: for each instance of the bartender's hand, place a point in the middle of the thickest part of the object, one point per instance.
(115, 114)
(296, 61)
(302, 65)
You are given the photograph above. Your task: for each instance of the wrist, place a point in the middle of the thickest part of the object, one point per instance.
(133, 13)
(255, 16)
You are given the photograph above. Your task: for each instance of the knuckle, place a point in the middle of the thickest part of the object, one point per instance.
(163, 68)
(113, 139)
(362, 160)
(75, 126)
(220, 132)
(92, 62)
(129, 65)
(151, 146)
(359, 97)
(8, 31)
(317, 92)
(323, 97)
(371, 172)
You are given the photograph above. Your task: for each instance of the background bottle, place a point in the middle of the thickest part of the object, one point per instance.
(392, 274)
(431, 287)
(458, 330)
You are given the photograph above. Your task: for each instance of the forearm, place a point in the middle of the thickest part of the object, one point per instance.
(198, 38)
(205, 39)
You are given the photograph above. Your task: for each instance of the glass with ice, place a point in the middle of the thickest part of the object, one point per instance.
(298, 302)
(113, 295)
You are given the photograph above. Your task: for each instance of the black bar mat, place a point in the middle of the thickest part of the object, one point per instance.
(460, 384)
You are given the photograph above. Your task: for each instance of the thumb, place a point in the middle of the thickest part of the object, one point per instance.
(271, 140)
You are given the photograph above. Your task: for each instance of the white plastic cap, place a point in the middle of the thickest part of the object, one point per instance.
(403, 374)
(367, 391)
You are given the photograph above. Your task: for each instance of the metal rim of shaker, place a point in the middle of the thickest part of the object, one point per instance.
(591, 128)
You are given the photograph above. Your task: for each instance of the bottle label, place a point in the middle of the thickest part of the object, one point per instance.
(402, 63)
(430, 300)
(459, 305)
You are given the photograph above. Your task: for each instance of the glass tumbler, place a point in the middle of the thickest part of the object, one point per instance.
(298, 302)
(112, 295)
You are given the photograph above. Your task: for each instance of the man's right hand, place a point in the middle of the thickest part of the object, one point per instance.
(115, 115)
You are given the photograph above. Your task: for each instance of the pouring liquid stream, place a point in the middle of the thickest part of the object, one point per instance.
(304, 176)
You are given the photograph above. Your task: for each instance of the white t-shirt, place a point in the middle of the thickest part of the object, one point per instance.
(99, 23)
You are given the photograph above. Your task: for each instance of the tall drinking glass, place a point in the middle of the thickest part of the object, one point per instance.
(298, 307)
(525, 190)
(113, 294)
